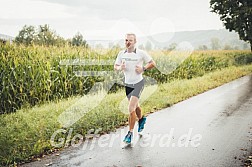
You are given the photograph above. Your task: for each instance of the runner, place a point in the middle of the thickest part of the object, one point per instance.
(130, 61)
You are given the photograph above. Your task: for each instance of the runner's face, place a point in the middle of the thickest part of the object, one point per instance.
(130, 41)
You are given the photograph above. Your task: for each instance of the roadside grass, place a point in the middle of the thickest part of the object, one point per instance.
(25, 134)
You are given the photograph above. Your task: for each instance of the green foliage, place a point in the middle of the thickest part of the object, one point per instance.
(241, 59)
(43, 36)
(236, 15)
(197, 64)
(26, 36)
(78, 40)
(46, 36)
(33, 75)
(203, 47)
(172, 46)
(26, 134)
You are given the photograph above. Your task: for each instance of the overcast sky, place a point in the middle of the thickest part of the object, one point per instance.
(107, 19)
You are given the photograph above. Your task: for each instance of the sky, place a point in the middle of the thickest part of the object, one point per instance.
(107, 19)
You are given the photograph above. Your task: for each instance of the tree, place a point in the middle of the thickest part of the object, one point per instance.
(46, 36)
(42, 36)
(26, 36)
(60, 41)
(236, 15)
(78, 40)
(215, 43)
(172, 46)
(227, 47)
(203, 47)
(245, 46)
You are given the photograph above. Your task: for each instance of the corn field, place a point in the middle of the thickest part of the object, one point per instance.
(33, 75)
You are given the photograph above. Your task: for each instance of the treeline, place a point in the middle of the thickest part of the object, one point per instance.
(213, 44)
(45, 36)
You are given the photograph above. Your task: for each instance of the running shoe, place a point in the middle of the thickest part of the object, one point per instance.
(141, 123)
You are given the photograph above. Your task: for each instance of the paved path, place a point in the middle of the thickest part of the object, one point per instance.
(211, 129)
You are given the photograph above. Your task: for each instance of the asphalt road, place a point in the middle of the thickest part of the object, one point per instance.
(210, 129)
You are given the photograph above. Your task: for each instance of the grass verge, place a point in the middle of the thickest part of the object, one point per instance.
(25, 135)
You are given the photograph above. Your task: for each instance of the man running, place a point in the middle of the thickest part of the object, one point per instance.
(130, 61)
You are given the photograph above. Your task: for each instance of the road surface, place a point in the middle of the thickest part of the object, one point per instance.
(210, 129)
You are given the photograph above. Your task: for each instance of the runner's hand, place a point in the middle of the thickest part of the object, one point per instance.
(139, 69)
(123, 66)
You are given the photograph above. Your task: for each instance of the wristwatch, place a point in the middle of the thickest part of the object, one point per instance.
(144, 69)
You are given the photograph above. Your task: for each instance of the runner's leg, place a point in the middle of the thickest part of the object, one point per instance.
(138, 112)
(132, 109)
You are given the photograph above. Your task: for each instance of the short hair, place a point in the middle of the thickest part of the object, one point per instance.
(132, 35)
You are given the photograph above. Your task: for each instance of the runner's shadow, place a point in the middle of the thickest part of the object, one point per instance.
(127, 146)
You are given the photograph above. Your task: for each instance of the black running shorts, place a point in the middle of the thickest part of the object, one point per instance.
(134, 89)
